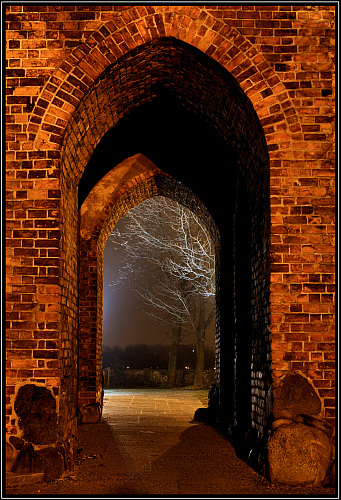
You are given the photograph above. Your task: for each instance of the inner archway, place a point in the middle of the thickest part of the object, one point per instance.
(132, 181)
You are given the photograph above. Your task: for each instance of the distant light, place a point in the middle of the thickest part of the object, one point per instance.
(192, 350)
(128, 367)
(186, 367)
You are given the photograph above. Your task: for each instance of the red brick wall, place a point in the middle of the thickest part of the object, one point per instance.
(283, 59)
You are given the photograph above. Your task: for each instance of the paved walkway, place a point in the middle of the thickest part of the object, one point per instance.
(150, 424)
(166, 451)
(161, 444)
(148, 444)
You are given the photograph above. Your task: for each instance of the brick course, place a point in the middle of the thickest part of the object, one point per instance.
(58, 63)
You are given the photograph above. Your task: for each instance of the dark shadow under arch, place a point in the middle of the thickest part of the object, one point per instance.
(179, 142)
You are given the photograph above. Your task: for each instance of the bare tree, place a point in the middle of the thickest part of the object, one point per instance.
(169, 260)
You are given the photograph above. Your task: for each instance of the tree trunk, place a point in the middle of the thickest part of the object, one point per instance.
(200, 337)
(200, 333)
(173, 356)
(199, 368)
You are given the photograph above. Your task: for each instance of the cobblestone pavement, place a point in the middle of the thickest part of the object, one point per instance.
(148, 444)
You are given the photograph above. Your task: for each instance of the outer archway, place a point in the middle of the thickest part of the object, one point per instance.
(164, 98)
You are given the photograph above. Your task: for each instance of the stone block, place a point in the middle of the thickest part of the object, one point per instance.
(294, 396)
(23, 462)
(16, 442)
(299, 454)
(90, 414)
(11, 455)
(36, 409)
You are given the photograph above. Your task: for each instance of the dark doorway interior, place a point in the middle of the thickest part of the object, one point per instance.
(179, 142)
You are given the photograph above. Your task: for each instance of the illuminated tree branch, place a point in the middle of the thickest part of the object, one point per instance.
(169, 261)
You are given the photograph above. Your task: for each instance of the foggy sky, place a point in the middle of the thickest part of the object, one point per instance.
(124, 319)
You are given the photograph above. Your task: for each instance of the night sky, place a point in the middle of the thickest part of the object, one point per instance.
(124, 319)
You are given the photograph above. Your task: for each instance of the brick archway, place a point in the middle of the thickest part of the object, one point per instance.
(293, 100)
(139, 25)
(95, 111)
(110, 48)
(134, 180)
(168, 77)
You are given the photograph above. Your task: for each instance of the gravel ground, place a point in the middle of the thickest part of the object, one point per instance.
(200, 463)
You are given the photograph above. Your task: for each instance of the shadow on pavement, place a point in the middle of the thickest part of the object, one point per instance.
(203, 462)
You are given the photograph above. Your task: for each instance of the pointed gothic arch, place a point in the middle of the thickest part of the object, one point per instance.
(163, 75)
(134, 180)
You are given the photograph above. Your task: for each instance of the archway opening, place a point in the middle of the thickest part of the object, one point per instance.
(165, 267)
